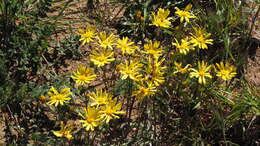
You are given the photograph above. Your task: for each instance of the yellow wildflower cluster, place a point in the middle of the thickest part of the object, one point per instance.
(225, 72)
(145, 67)
(146, 71)
(102, 109)
(200, 38)
(162, 19)
(203, 71)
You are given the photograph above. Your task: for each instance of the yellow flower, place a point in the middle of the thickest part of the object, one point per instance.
(91, 118)
(106, 41)
(100, 97)
(180, 69)
(160, 19)
(202, 72)
(88, 35)
(185, 14)
(110, 111)
(65, 131)
(42, 98)
(101, 57)
(184, 47)
(200, 38)
(225, 71)
(125, 46)
(144, 89)
(155, 72)
(130, 69)
(57, 98)
(83, 75)
(139, 16)
(153, 48)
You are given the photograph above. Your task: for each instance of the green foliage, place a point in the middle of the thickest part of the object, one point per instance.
(26, 35)
(25, 40)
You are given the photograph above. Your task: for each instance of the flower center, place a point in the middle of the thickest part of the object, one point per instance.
(144, 91)
(82, 78)
(201, 40)
(58, 97)
(201, 74)
(183, 70)
(88, 34)
(101, 100)
(102, 58)
(184, 14)
(224, 73)
(90, 120)
(128, 72)
(182, 47)
(109, 111)
(124, 45)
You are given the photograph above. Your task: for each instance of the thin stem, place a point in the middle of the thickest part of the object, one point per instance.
(16, 121)
(154, 114)
(128, 97)
(49, 64)
(131, 106)
(104, 76)
(129, 87)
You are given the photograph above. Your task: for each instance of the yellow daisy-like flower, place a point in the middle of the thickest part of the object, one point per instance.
(101, 57)
(185, 14)
(184, 47)
(130, 69)
(144, 89)
(57, 98)
(153, 48)
(161, 19)
(42, 98)
(65, 131)
(226, 71)
(106, 41)
(202, 72)
(88, 35)
(110, 111)
(99, 97)
(139, 16)
(126, 46)
(180, 69)
(155, 72)
(83, 75)
(91, 118)
(200, 38)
